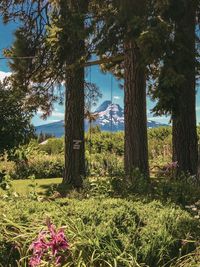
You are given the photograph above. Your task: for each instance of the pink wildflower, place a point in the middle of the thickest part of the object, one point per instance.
(49, 246)
(58, 240)
(172, 166)
(35, 261)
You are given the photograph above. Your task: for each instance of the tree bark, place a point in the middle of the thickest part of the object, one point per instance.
(184, 132)
(136, 148)
(74, 129)
(74, 103)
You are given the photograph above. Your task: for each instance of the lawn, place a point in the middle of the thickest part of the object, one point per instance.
(42, 186)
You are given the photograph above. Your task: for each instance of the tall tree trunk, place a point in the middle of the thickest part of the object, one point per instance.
(136, 148)
(74, 129)
(74, 102)
(184, 132)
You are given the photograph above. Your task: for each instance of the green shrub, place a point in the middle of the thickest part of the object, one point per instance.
(30, 160)
(160, 145)
(53, 146)
(104, 164)
(42, 166)
(105, 142)
(104, 155)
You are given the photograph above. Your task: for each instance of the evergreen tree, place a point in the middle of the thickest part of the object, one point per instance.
(184, 132)
(54, 33)
(136, 151)
(67, 37)
(15, 122)
(176, 83)
(124, 27)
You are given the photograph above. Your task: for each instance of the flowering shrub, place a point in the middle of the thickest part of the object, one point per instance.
(172, 165)
(170, 169)
(50, 246)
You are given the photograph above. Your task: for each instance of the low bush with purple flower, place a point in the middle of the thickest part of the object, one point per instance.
(50, 246)
(98, 232)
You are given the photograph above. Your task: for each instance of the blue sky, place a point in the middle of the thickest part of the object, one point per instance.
(103, 81)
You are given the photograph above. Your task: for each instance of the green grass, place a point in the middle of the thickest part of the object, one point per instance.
(101, 227)
(23, 187)
(101, 232)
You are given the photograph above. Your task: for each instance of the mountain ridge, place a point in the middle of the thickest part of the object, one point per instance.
(110, 118)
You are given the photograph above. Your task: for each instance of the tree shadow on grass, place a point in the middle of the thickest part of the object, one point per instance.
(48, 189)
(56, 189)
(164, 190)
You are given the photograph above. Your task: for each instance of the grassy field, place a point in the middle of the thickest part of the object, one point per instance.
(42, 186)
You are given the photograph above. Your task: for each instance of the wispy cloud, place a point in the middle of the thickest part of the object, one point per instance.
(50, 120)
(38, 122)
(116, 97)
(57, 114)
(39, 112)
(161, 119)
(3, 75)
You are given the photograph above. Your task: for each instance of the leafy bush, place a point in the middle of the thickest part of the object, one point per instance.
(179, 191)
(101, 142)
(104, 155)
(53, 146)
(104, 164)
(33, 160)
(30, 160)
(101, 232)
(160, 146)
(42, 166)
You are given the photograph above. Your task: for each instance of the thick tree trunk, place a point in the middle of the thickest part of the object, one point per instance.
(74, 102)
(74, 129)
(184, 133)
(136, 148)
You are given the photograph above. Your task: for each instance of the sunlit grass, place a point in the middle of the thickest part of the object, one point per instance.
(23, 187)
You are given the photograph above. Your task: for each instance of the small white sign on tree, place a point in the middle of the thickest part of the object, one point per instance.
(77, 144)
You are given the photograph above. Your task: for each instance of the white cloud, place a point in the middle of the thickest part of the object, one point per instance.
(4, 74)
(161, 119)
(38, 122)
(198, 108)
(50, 121)
(57, 114)
(116, 97)
(39, 112)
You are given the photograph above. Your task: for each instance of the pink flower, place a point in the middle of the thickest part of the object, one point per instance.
(58, 241)
(50, 246)
(40, 244)
(172, 166)
(35, 261)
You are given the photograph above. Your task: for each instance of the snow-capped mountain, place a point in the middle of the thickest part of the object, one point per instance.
(110, 117)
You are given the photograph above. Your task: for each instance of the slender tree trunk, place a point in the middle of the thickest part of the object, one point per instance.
(136, 148)
(184, 132)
